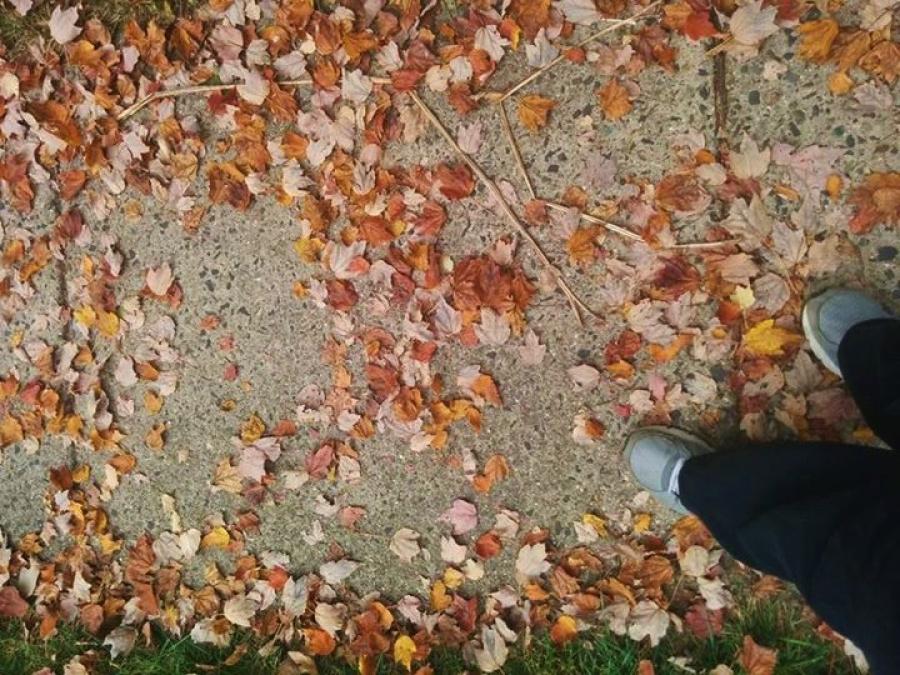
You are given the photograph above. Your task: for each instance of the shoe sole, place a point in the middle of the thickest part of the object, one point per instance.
(810, 321)
(666, 498)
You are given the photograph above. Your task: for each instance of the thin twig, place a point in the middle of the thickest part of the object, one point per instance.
(721, 47)
(613, 25)
(515, 149)
(618, 229)
(205, 88)
(612, 227)
(577, 305)
(705, 244)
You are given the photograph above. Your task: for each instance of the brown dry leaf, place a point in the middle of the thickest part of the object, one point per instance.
(533, 111)
(816, 38)
(757, 660)
(615, 100)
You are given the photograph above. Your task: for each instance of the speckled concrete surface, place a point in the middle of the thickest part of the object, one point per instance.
(241, 266)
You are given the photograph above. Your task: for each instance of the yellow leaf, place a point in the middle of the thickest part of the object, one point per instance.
(439, 598)
(743, 297)
(767, 339)
(308, 248)
(108, 323)
(108, 544)
(86, 316)
(82, 473)
(533, 111)
(642, 522)
(217, 537)
(453, 578)
(404, 650)
(595, 522)
(252, 430)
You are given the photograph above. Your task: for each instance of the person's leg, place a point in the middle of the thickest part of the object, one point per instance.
(820, 515)
(869, 357)
(791, 488)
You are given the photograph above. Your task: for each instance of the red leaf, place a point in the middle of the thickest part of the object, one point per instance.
(698, 26)
(341, 294)
(454, 182)
(488, 545)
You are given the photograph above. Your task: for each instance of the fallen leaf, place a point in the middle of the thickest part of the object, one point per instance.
(532, 560)
(564, 629)
(877, 200)
(615, 100)
(767, 339)
(533, 111)
(62, 24)
(11, 603)
(404, 650)
(757, 660)
(405, 544)
(462, 516)
(816, 38)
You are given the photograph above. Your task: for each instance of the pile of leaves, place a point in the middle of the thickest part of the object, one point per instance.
(305, 102)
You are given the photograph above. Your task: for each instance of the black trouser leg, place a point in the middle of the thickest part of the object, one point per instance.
(825, 516)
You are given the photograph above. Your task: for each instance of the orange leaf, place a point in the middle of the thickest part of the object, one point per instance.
(488, 545)
(877, 200)
(615, 100)
(533, 111)
(319, 642)
(564, 630)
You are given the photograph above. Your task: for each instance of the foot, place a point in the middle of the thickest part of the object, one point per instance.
(655, 456)
(828, 316)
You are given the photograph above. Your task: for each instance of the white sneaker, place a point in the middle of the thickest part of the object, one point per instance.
(655, 456)
(828, 316)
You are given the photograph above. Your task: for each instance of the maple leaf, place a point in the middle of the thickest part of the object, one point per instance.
(462, 516)
(816, 38)
(648, 620)
(615, 99)
(752, 23)
(877, 200)
(531, 560)
(494, 651)
(533, 111)
(757, 660)
(454, 181)
(62, 24)
(120, 641)
(767, 339)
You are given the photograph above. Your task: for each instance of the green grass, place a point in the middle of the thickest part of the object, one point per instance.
(17, 32)
(777, 624)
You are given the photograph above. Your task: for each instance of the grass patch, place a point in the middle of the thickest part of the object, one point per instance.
(774, 623)
(17, 32)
